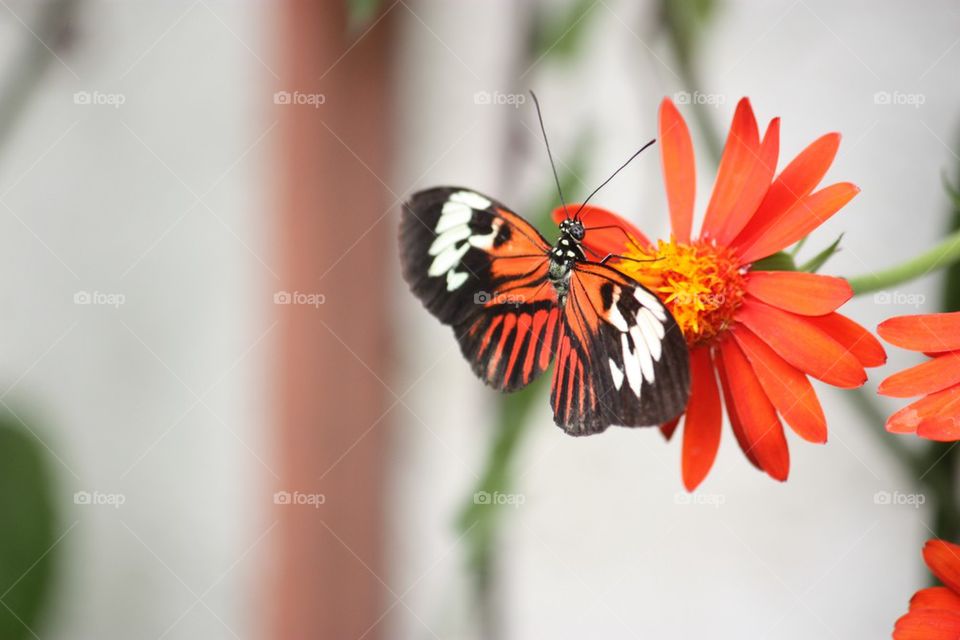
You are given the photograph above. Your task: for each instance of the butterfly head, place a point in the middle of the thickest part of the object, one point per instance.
(573, 228)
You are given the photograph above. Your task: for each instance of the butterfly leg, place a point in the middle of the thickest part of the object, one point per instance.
(622, 257)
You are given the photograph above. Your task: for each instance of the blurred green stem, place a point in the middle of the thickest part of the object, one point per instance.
(685, 22)
(944, 254)
(49, 29)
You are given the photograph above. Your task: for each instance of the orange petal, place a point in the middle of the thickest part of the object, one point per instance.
(735, 423)
(788, 389)
(940, 428)
(667, 428)
(701, 428)
(932, 332)
(944, 403)
(740, 153)
(802, 344)
(935, 598)
(679, 169)
(761, 427)
(928, 377)
(755, 187)
(852, 337)
(943, 558)
(928, 624)
(808, 294)
(798, 221)
(795, 182)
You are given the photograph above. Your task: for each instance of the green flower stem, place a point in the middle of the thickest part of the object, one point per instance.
(479, 519)
(478, 516)
(946, 253)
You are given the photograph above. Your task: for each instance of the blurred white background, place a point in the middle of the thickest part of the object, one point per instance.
(159, 200)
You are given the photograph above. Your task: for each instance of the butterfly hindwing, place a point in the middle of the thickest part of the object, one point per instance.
(482, 269)
(621, 358)
(508, 346)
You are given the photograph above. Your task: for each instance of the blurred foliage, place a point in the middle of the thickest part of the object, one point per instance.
(27, 537)
(360, 13)
(559, 32)
(50, 29)
(951, 282)
(780, 261)
(28, 532)
(813, 264)
(685, 23)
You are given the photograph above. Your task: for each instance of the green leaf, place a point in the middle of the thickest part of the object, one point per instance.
(27, 537)
(796, 248)
(813, 265)
(780, 261)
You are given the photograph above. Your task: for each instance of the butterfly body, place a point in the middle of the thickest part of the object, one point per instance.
(516, 304)
(567, 252)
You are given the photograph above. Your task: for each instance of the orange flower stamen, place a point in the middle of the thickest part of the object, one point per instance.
(700, 283)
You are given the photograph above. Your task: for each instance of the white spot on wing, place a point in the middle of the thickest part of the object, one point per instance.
(616, 373)
(649, 325)
(651, 302)
(632, 366)
(471, 199)
(616, 318)
(642, 353)
(448, 238)
(453, 214)
(455, 279)
(486, 241)
(448, 258)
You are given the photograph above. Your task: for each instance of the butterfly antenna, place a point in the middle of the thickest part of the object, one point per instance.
(576, 216)
(550, 155)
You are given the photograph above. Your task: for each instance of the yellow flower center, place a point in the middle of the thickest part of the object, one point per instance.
(701, 284)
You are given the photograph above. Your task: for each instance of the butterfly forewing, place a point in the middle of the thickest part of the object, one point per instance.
(482, 269)
(621, 358)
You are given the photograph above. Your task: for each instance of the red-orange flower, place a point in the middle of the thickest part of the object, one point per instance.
(762, 332)
(937, 415)
(935, 612)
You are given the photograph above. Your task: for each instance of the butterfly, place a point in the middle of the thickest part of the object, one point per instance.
(516, 304)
